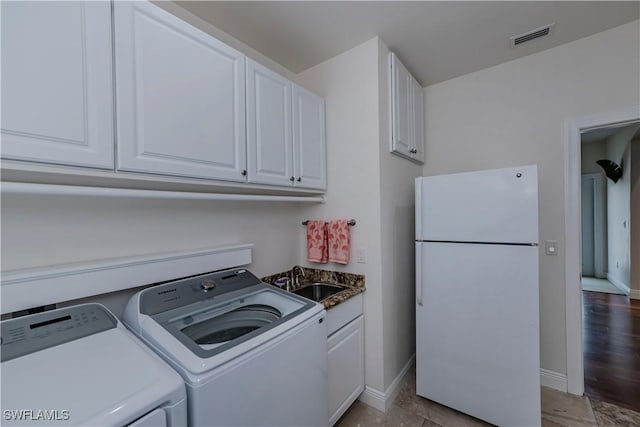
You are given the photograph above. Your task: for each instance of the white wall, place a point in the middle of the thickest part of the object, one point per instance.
(619, 207)
(349, 85)
(374, 187)
(397, 176)
(42, 230)
(514, 114)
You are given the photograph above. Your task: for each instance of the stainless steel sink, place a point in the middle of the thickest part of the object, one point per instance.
(317, 291)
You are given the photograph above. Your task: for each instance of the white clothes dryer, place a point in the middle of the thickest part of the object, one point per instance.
(250, 354)
(80, 366)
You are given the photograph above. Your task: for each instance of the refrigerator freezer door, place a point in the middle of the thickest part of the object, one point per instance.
(477, 331)
(499, 205)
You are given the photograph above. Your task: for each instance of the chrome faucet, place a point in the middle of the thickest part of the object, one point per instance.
(295, 278)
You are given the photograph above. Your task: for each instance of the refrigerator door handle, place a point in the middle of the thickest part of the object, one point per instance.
(419, 273)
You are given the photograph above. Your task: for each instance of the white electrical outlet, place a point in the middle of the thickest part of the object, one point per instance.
(361, 254)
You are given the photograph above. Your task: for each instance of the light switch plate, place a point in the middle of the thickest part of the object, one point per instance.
(361, 254)
(551, 247)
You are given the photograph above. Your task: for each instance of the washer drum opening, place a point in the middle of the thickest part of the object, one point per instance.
(232, 324)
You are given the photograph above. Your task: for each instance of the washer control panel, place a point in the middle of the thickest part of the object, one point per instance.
(178, 293)
(28, 334)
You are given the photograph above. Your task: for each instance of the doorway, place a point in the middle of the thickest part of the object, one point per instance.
(610, 318)
(574, 304)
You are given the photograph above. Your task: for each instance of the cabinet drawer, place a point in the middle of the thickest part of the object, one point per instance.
(343, 313)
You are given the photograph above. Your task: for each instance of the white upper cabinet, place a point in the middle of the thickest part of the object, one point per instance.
(180, 97)
(269, 143)
(407, 113)
(57, 94)
(310, 153)
(186, 104)
(418, 123)
(285, 131)
(401, 100)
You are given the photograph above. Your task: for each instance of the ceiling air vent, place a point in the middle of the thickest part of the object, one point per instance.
(531, 35)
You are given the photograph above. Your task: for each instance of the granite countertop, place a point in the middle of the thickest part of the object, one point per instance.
(353, 282)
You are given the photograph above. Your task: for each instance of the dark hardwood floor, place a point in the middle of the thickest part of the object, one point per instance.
(611, 336)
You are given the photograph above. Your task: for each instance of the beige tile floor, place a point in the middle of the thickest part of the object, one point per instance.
(558, 409)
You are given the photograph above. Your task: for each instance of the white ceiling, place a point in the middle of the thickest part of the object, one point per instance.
(435, 40)
(601, 134)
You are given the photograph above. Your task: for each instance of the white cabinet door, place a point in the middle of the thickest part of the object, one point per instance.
(57, 94)
(180, 97)
(407, 113)
(401, 107)
(269, 143)
(346, 368)
(417, 152)
(310, 153)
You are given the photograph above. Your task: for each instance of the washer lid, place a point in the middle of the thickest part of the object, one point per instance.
(106, 378)
(210, 327)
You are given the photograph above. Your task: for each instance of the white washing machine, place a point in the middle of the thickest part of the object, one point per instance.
(80, 366)
(250, 354)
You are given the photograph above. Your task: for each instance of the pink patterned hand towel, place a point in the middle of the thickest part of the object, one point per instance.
(317, 245)
(339, 241)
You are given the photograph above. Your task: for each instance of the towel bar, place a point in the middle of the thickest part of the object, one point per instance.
(351, 222)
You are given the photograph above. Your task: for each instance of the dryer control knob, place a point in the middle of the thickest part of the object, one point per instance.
(207, 284)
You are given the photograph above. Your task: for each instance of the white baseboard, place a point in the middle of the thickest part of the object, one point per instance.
(554, 380)
(373, 397)
(383, 400)
(618, 284)
(635, 294)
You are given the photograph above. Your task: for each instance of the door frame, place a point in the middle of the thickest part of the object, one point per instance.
(599, 224)
(573, 228)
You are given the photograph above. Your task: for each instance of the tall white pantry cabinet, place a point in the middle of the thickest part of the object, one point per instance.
(185, 103)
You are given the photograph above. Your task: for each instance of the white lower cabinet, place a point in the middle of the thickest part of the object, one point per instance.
(346, 361)
(346, 368)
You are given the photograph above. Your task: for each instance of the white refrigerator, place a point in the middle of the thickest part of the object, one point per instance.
(477, 318)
